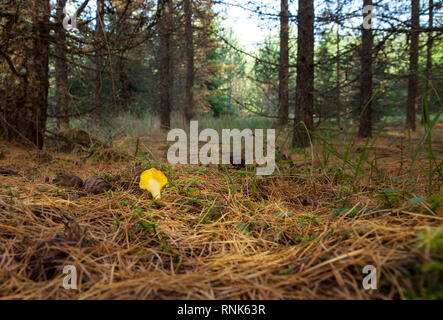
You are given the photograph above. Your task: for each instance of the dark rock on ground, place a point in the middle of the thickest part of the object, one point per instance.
(96, 185)
(68, 181)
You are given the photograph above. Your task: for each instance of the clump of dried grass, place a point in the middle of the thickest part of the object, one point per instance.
(215, 234)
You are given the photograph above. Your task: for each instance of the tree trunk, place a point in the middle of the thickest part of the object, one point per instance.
(337, 79)
(189, 112)
(365, 110)
(99, 37)
(428, 72)
(413, 66)
(165, 33)
(304, 93)
(61, 71)
(24, 75)
(283, 76)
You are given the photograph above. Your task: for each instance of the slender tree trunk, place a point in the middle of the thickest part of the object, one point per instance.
(98, 101)
(283, 91)
(428, 72)
(304, 93)
(123, 83)
(165, 33)
(24, 75)
(413, 66)
(189, 112)
(61, 71)
(337, 79)
(175, 85)
(365, 126)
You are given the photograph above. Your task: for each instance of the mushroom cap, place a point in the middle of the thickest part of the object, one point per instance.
(153, 180)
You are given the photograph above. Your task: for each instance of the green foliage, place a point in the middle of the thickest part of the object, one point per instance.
(282, 214)
(225, 66)
(243, 227)
(302, 221)
(262, 95)
(117, 222)
(234, 188)
(417, 200)
(351, 214)
(287, 271)
(432, 271)
(145, 223)
(436, 200)
(211, 216)
(433, 240)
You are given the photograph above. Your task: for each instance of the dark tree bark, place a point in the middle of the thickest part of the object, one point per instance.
(99, 37)
(428, 72)
(337, 79)
(337, 69)
(304, 93)
(283, 76)
(189, 112)
(165, 34)
(413, 66)
(365, 126)
(61, 70)
(24, 74)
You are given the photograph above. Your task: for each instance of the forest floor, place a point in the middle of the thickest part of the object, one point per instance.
(219, 232)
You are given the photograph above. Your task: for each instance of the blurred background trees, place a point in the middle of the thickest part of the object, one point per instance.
(168, 61)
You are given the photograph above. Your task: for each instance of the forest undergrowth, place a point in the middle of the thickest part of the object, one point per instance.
(222, 232)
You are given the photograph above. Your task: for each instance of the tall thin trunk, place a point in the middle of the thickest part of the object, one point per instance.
(123, 83)
(304, 93)
(365, 126)
(337, 79)
(25, 80)
(61, 71)
(172, 83)
(428, 72)
(189, 112)
(413, 66)
(98, 101)
(283, 76)
(165, 32)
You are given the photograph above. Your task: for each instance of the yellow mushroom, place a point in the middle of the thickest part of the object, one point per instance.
(153, 180)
